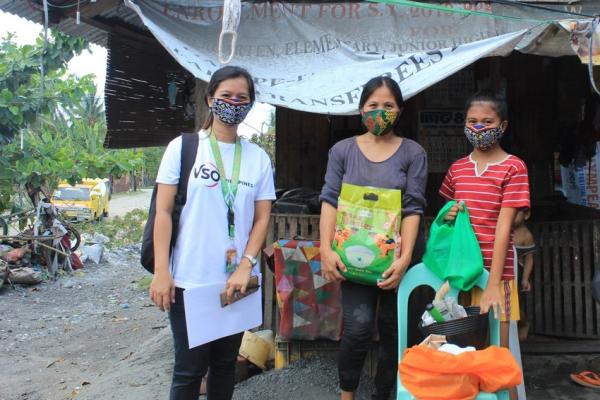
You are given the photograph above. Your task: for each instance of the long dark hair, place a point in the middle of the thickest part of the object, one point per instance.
(220, 75)
(376, 83)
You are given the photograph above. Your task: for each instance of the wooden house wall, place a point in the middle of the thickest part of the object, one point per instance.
(303, 141)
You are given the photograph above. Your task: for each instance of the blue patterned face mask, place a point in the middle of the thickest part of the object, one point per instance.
(230, 112)
(483, 138)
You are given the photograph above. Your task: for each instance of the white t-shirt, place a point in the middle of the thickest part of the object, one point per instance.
(203, 239)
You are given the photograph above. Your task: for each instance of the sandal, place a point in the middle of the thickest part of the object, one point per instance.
(588, 379)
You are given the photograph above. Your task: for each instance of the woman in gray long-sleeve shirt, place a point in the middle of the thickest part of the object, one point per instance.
(378, 158)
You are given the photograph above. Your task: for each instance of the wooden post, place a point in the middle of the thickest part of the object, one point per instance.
(588, 260)
(578, 287)
(268, 285)
(596, 267)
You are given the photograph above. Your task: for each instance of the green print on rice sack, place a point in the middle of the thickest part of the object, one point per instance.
(367, 231)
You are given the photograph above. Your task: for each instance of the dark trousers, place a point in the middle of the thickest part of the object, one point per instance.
(360, 305)
(217, 357)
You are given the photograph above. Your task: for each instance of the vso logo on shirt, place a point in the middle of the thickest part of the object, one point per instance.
(208, 174)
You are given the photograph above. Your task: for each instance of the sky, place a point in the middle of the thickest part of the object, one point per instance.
(94, 62)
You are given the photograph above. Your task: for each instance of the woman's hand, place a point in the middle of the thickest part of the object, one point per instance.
(238, 281)
(525, 285)
(393, 275)
(453, 212)
(162, 290)
(491, 299)
(331, 265)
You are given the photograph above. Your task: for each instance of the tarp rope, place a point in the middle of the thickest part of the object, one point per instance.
(514, 3)
(232, 11)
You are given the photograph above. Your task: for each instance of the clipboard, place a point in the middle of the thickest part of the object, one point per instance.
(252, 287)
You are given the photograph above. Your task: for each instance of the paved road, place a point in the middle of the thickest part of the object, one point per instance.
(122, 203)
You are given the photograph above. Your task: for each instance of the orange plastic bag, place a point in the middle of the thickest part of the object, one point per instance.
(430, 374)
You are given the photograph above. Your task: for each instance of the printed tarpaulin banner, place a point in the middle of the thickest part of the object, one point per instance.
(315, 57)
(580, 39)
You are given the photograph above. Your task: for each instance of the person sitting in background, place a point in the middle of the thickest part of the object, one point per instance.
(525, 247)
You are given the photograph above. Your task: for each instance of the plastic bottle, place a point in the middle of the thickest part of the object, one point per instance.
(435, 313)
(442, 307)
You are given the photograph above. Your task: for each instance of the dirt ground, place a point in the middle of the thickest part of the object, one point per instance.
(59, 338)
(95, 335)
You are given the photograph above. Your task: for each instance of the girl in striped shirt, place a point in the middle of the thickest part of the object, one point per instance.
(494, 186)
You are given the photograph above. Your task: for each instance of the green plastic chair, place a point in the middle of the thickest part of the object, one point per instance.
(420, 275)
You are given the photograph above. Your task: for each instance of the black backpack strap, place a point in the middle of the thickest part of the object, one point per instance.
(189, 148)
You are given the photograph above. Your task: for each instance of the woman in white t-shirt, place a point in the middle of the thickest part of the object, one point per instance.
(222, 227)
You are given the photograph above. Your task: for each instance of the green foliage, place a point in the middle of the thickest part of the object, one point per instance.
(151, 161)
(56, 150)
(122, 231)
(89, 108)
(267, 140)
(21, 97)
(63, 131)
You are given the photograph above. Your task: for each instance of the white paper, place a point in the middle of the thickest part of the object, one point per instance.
(206, 320)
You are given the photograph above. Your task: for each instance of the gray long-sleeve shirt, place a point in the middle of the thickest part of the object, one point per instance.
(406, 170)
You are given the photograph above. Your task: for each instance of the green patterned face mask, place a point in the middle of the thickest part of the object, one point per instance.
(379, 122)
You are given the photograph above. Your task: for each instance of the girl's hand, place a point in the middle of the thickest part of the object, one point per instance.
(491, 299)
(393, 275)
(162, 291)
(239, 279)
(525, 285)
(331, 265)
(453, 212)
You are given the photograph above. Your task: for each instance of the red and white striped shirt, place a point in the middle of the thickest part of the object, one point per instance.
(502, 184)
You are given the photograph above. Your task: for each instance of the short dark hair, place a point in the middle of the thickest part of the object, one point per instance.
(220, 75)
(485, 96)
(376, 83)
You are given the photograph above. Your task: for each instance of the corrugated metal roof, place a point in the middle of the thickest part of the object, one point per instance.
(33, 11)
(124, 14)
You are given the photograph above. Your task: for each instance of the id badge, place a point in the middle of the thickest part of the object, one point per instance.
(230, 264)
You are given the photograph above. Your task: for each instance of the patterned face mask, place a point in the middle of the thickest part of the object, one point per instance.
(379, 122)
(483, 138)
(230, 112)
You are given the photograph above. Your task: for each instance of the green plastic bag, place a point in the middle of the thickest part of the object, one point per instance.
(453, 252)
(367, 230)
